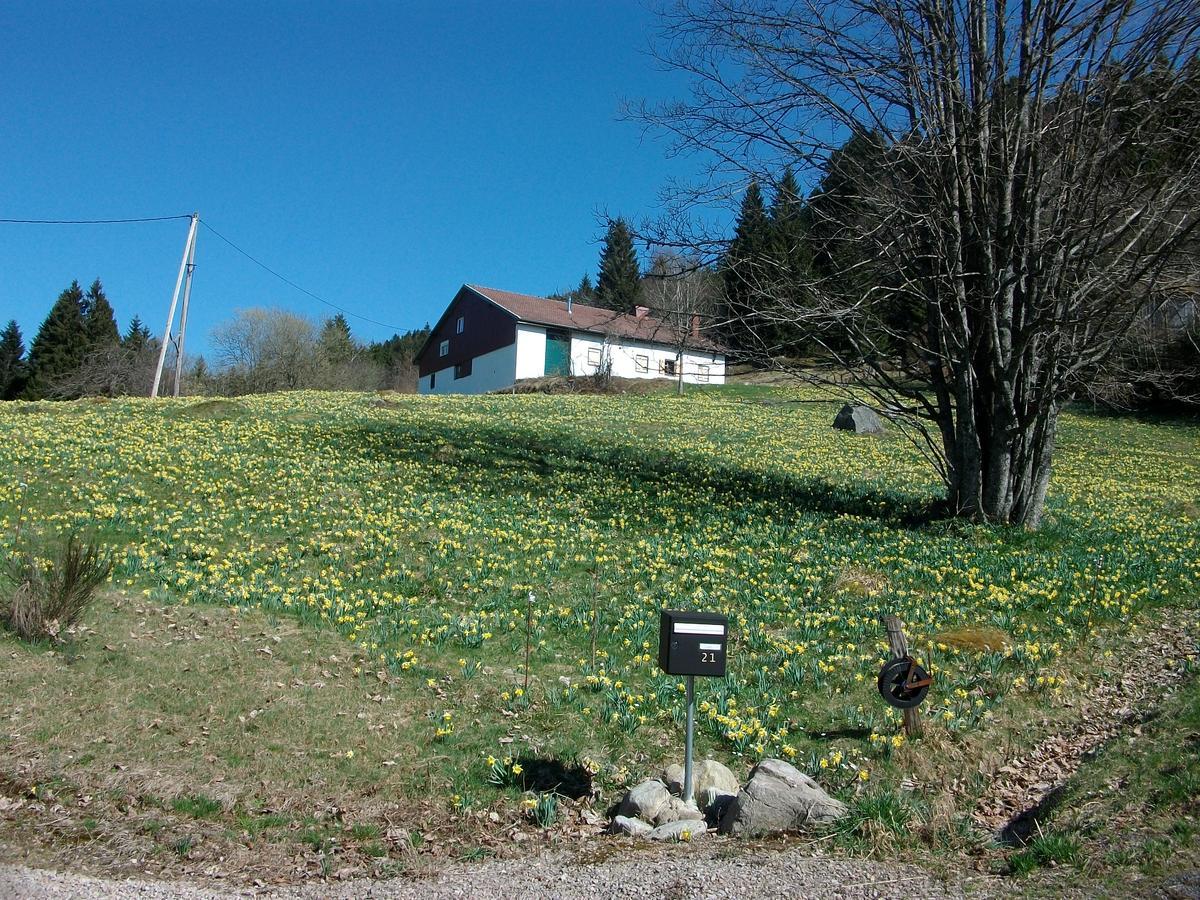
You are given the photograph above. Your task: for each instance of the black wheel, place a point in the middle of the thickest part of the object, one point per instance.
(892, 678)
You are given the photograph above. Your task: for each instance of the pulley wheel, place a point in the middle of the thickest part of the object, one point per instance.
(892, 680)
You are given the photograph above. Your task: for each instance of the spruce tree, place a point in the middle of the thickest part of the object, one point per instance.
(137, 337)
(743, 267)
(99, 319)
(60, 344)
(790, 257)
(619, 286)
(586, 292)
(336, 343)
(12, 361)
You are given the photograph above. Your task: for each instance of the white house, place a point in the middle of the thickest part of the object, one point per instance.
(487, 340)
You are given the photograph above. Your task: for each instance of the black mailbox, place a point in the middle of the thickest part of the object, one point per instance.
(692, 643)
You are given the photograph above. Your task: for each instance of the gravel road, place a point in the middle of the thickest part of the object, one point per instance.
(679, 873)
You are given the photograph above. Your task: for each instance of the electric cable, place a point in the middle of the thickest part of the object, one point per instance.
(293, 284)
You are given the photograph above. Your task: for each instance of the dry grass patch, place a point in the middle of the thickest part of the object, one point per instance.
(185, 735)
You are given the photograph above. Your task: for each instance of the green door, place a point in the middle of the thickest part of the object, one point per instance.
(558, 352)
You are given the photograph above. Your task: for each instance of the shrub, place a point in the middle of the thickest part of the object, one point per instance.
(48, 598)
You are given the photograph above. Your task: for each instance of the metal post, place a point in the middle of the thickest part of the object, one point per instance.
(187, 295)
(687, 740)
(162, 350)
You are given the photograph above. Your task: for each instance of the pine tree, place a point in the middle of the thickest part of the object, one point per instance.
(586, 292)
(137, 337)
(336, 343)
(98, 318)
(790, 257)
(619, 287)
(12, 361)
(742, 269)
(60, 344)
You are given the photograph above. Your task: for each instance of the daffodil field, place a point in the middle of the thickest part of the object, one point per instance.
(439, 535)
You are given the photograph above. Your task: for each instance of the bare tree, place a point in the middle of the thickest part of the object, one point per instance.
(1028, 202)
(686, 297)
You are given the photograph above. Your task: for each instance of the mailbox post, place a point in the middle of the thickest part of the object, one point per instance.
(691, 644)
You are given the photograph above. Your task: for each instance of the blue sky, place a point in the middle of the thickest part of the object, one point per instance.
(378, 153)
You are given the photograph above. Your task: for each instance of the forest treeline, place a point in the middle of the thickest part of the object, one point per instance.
(79, 350)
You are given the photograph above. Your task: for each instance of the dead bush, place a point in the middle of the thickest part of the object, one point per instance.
(47, 598)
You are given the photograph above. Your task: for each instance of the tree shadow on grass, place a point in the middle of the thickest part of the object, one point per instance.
(529, 458)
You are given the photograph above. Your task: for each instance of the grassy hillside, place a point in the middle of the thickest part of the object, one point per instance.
(413, 531)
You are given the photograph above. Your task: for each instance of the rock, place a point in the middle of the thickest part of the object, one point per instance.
(630, 826)
(779, 797)
(708, 776)
(859, 419)
(645, 801)
(681, 830)
(676, 810)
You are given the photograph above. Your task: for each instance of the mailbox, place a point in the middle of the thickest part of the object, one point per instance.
(692, 643)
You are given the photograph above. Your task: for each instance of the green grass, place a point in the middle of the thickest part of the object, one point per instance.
(318, 596)
(1133, 809)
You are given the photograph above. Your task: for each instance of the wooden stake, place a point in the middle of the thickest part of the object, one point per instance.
(898, 646)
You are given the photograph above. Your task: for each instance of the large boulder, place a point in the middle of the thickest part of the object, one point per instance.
(859, 419)
(779, 797)
(645, 801)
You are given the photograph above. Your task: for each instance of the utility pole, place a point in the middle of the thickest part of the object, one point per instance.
(186, 265)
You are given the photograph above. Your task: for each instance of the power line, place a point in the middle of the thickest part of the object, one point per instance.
(293, 284)
(252, 259)
(92, 221)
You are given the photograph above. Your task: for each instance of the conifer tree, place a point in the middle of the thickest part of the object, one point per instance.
(60, 344)
(12, 361)
(99, 319)
(336, 344)
(137, 337)
(742, 268)
(619, 286)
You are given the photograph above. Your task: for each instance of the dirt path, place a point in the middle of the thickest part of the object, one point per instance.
(713, 872)
(1030, 783)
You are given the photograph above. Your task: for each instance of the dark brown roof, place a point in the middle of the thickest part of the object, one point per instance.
(555, 313)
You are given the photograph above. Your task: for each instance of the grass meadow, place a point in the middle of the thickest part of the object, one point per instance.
(329, 599)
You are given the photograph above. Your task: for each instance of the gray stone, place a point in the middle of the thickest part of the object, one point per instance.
(630, 826)
(681, 830)
(779, 797)
(676, 810)
(708, 775)
(645, 801)
(859, 419)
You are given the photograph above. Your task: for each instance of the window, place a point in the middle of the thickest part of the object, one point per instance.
(594, 356)
(462, 370)
(432, 380)
(702, 373)
(667, 366)
(443, 348)
(458, 328)
(641, 363)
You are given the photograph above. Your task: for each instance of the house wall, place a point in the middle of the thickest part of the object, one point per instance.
(489, 372)
(486, 328)
(531, 351)
(624, 354)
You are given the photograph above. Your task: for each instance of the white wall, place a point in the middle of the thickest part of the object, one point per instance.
(527, 359)
(531, 351)
(624, 355)
(489, 372)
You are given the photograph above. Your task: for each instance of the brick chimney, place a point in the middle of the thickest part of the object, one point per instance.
(695, 325)
(641, 311)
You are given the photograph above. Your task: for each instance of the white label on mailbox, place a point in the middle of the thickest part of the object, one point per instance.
(710, 646)
(699, 628)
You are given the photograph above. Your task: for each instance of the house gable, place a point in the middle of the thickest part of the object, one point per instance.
(486, 327)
